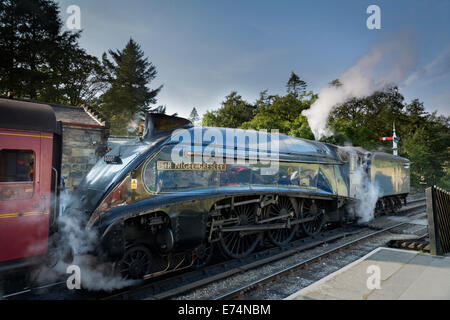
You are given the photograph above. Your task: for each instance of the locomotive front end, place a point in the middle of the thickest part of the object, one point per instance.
(105, 201)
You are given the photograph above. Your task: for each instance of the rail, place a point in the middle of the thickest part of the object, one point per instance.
(238, 293)
(412, 208)
(186, 281)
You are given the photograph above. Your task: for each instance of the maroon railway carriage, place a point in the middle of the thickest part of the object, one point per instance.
(30, 166)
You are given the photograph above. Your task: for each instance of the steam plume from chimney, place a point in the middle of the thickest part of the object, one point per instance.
(384, 64)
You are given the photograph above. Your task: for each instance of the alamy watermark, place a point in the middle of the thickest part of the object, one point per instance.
(73, 22)
(74, 280)
(374, 20)
(217, 147)
(374, 280)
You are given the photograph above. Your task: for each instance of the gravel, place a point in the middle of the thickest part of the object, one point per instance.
(297, 280)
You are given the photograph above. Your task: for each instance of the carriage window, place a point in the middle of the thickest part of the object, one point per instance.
(16, 166)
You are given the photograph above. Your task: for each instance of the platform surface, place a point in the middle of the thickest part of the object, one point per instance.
(403, 275)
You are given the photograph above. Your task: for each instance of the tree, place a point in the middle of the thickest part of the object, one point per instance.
(300, 128)
(426, 144)
(41, 62)
(284, 114)
(29, 33)
(264, 100)
(128, 75)
(76, 76)
(209, 119)
(233, 113)
(194, 117)
(295, 85)
(424, 137)
(362, 121)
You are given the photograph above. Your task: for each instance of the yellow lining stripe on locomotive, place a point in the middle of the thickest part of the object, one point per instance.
(25, 135)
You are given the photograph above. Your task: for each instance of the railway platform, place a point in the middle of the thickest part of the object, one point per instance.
(385, 274)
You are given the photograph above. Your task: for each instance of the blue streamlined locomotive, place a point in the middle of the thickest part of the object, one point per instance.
(164, 201)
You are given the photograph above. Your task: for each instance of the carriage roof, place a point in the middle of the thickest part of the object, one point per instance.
(24, 115)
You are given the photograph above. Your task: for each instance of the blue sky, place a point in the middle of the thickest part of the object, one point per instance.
(205, 49)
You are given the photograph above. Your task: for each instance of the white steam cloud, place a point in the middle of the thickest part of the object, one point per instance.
(74, 246)
(367, 194)
(132, 126)
(386, 63)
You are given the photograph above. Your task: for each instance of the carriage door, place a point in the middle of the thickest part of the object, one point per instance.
(23, 197)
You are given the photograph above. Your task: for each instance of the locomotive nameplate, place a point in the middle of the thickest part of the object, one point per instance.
(170, 165)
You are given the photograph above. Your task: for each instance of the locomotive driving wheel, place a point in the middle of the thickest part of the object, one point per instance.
(310, 209)
(236, 244)
(285, 207)
(135, 263)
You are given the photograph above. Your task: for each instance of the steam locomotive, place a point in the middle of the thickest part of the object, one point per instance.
(178, 193)
(160, 202)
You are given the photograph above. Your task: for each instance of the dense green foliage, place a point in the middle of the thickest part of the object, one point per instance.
(283, 113)
(41, 62)
(427, 143)
(38, 60)
(424, 137)
(233, 113)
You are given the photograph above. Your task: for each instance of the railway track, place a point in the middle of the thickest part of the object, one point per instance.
(181, 282)
(240, 292)
(191, 281)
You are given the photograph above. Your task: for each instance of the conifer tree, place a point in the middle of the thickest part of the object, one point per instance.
(128, 74)
(295, 85)
(194, 117)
